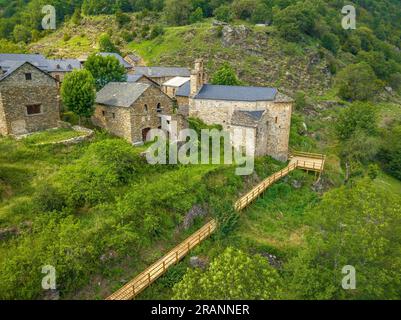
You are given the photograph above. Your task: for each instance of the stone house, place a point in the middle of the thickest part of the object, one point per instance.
(171, 86)
(140, 78)
(130, 110)
(28, 99)
(265, 110)
(161, 74)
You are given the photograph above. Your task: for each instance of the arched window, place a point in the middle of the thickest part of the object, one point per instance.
(146, 108)
(159, 108)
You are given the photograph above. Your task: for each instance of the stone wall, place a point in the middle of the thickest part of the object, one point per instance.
(115, 120)
(128, 123)
(273, 131)
(17, 92)
(142, 119)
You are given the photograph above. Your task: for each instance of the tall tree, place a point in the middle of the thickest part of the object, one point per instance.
(225, 76)
(78, 93)
(106, 44)
(105, 69)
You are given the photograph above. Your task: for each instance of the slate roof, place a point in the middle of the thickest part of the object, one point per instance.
(184, 90)
(8, 60)
(14, 65)
(134, 77)
(247, 118)
(119, 58)
(121, 94)
(159, 72)
(63, 65)
(35, 59)
(176, 82)
(236, 93)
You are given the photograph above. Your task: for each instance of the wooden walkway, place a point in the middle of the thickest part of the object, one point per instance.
(298, 160)
(156, 270)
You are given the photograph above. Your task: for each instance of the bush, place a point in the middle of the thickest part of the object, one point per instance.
(357, 82)
(157, 30)
(225, 76)
(331, 42)
(300, 100)
(223, 13)
(196, 16)
(93, 178)
(358, 116)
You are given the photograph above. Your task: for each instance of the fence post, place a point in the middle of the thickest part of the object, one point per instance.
(149, 278)
(176, 256)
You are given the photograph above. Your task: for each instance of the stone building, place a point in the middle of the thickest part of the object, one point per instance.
(57, 68)
(171, 86)
(130, 110)
(263, 110)
(161, 74)
(140, 78)
(28, 99)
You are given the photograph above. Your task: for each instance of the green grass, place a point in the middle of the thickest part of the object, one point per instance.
(52, 136)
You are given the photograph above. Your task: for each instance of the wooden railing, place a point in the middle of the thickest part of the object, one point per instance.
(306, 155)
(315, 162)
(151, 274)
(244, 201)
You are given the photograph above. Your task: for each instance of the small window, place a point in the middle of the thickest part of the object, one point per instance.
(159, 108)
(28, 76)
(114, 115)
(33, 109)
(57, 77)
(146, 108)
(276, 120)
(104, 113)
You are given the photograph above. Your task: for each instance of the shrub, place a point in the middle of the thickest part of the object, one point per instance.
(196, 16)
(331, 42)
(357, 82)
(157, 30)
(223, 13)
(225, 76)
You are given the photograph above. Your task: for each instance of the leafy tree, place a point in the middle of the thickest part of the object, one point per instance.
(22, 34)
(244, 9)
(358, 116)
(357, 82)
(232, 276)
(196, 16)
(262, 13)
(78, 93)
(106, 44)
(77, 16)
(105, 69)
(352, 44)
(177, 12)
(225, 76)
(122, 18)
(223, 13)
(331, 42)
(296, 21)
(390, 154)
(300, 100)
(357, 225)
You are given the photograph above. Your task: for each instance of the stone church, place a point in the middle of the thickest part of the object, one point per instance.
(264, 111)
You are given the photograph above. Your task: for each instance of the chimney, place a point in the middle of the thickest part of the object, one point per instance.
(198, 77)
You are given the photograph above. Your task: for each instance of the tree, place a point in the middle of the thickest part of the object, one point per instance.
(122, 18)
(356, 225)
(223, 13)
(262, 13)
(296, 21)
(358, 116)
(22, 33)
(106, 44)
(331, 42)
(232, 276)
(225, 76)
(78, 93)
(357, 82)
(177, 12)
(11, 47)
(105, 69)
(244, 9)
(196, 16)
(77, 16)
(390, 154)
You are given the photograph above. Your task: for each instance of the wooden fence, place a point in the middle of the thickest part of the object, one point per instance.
(155, 271)
(299, 160)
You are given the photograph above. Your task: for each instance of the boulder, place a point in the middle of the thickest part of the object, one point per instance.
(197, 262)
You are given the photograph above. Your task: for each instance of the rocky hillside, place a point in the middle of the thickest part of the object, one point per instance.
(257, 54)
